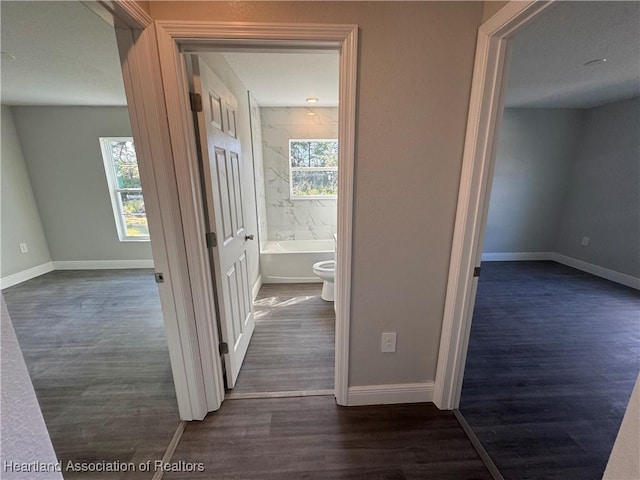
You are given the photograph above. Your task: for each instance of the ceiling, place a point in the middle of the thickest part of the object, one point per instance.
(288, 79)
(58, 53)
(548, 57)
(61, 53)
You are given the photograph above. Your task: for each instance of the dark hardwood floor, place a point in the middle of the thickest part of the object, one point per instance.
(292, 348)
(553, 357)
(95, 347)
(313, 438)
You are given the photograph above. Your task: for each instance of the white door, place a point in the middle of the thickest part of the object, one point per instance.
(221, 160)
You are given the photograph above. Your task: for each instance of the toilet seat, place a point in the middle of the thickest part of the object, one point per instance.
(326, 266)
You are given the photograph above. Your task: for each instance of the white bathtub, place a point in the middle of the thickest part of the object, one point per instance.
(291, 261)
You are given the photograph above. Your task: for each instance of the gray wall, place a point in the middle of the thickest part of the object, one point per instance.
(20, 218)
(62, 152)
(415, 62)
(603, 200)
(299, 219)
(561, 175)
(536, 148)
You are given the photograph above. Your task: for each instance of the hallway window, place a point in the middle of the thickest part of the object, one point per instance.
(123, 177)
(313, 171)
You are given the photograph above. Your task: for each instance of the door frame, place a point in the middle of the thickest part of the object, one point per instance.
(157, 96)
(137, 46)
(176, 37)
(483, 123)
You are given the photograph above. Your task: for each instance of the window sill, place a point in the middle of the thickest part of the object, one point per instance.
(314, 197)
(141, 239)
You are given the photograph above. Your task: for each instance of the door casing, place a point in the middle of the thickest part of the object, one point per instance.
(485, 112)
(157, 93)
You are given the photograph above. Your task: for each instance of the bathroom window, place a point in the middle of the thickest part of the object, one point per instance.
(313, 171)
(123, 178)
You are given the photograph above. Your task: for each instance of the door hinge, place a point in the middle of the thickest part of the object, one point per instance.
(224, 348)
(159, 277)
(196, 101)
(476, 271)
(212, 239)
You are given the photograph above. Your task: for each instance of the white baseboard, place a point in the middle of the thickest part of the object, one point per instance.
(28, 274)
(267, 279)
(516, 256)
(256, 288)
(597, 270)
(102, 264)
(387, 394)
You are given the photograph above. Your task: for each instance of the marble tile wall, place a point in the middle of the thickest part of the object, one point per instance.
(258, 169)
(298, 219)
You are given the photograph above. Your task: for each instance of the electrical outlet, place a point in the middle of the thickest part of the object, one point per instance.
(388, 342)
(24, 248)
(585, 241)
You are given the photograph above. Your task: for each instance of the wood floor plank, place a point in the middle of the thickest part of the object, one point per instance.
(95, 347)
(292, 348)
(312, 437)
(553, 356)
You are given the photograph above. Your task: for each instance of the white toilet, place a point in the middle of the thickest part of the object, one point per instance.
(326, 271)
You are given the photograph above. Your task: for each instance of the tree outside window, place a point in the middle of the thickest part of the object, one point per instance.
(123, 178)
(313, 168)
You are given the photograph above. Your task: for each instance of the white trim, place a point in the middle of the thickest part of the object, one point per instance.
(121, 13)
(114, 191)
(145, 100)
(597, 270)
(270, 279)
(485, 110)
(101, 264)
(171, 36)
(292, 169)
(256, 288)
(388, 394)
(24, 275)
(516, 256)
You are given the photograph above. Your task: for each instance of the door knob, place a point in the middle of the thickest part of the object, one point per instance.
(248, 237)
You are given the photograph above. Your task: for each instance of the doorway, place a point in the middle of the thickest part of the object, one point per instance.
(268, 152)
(195, 348)
(578, 126)
(77, 267)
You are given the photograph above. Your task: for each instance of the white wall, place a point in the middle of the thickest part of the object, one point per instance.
(603, 200)
(220, 66)
(62, 152)
(20, 221)
(536, 148)
(299, 219)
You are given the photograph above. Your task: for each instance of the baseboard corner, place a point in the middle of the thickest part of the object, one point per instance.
(24, 275)
(256, 288)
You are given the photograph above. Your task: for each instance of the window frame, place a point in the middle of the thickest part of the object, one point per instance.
(292, 169)
(115, 190)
